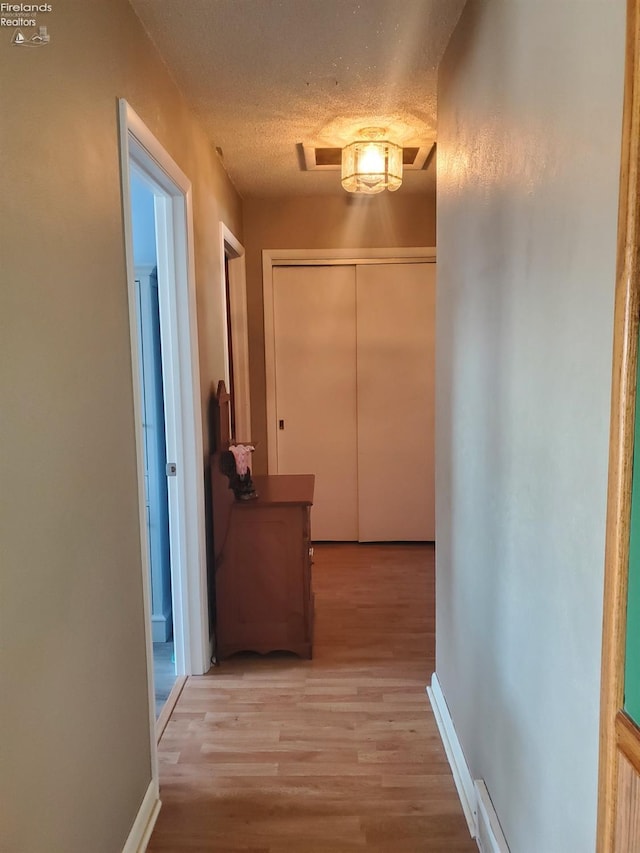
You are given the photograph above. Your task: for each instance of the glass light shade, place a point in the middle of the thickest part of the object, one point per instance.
(371, 166)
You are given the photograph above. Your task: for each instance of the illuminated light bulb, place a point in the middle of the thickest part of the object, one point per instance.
(371, 159)
(372, 164)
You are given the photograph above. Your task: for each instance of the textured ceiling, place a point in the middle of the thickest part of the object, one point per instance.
(266, 76)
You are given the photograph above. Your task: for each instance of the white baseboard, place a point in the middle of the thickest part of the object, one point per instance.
(145, 821)
(490, 836)
(161, 627)
(457, 761)
(482, 819)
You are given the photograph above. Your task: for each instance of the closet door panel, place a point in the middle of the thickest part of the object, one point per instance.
(315, 358)
(396, 377)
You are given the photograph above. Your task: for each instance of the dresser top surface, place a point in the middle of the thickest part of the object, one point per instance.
(282, 490)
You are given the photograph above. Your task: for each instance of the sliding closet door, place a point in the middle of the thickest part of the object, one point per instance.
(315, 360)
(395, 376)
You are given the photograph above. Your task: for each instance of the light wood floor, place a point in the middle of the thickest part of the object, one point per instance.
(334, 755)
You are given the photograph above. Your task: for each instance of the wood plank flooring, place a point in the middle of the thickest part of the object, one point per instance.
(334, 755)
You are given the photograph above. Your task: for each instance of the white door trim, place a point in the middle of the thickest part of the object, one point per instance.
(312, 257)
(234, 251)
(174, 218)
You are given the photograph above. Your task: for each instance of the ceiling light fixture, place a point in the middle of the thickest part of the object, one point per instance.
(371, 164)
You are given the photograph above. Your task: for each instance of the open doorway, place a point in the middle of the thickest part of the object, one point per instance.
(150, 355)
(166, 391)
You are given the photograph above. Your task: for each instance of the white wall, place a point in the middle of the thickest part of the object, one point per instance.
(530, 107)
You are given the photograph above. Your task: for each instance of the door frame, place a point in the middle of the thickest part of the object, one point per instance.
(313, 257)
(233, 250)
(621, 446)
(174, 230)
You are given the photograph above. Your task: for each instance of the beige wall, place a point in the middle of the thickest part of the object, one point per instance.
(529, 124)
(321, 222)
(76, 751)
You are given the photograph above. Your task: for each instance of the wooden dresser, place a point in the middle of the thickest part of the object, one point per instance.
(264, 597)
(262, 552)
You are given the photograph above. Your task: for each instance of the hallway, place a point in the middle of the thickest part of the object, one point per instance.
(333, 755)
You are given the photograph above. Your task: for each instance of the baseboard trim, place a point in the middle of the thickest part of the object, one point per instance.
(482, 819)
(161, 627)
(145, 821)
(490, 836)
(457, 761)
